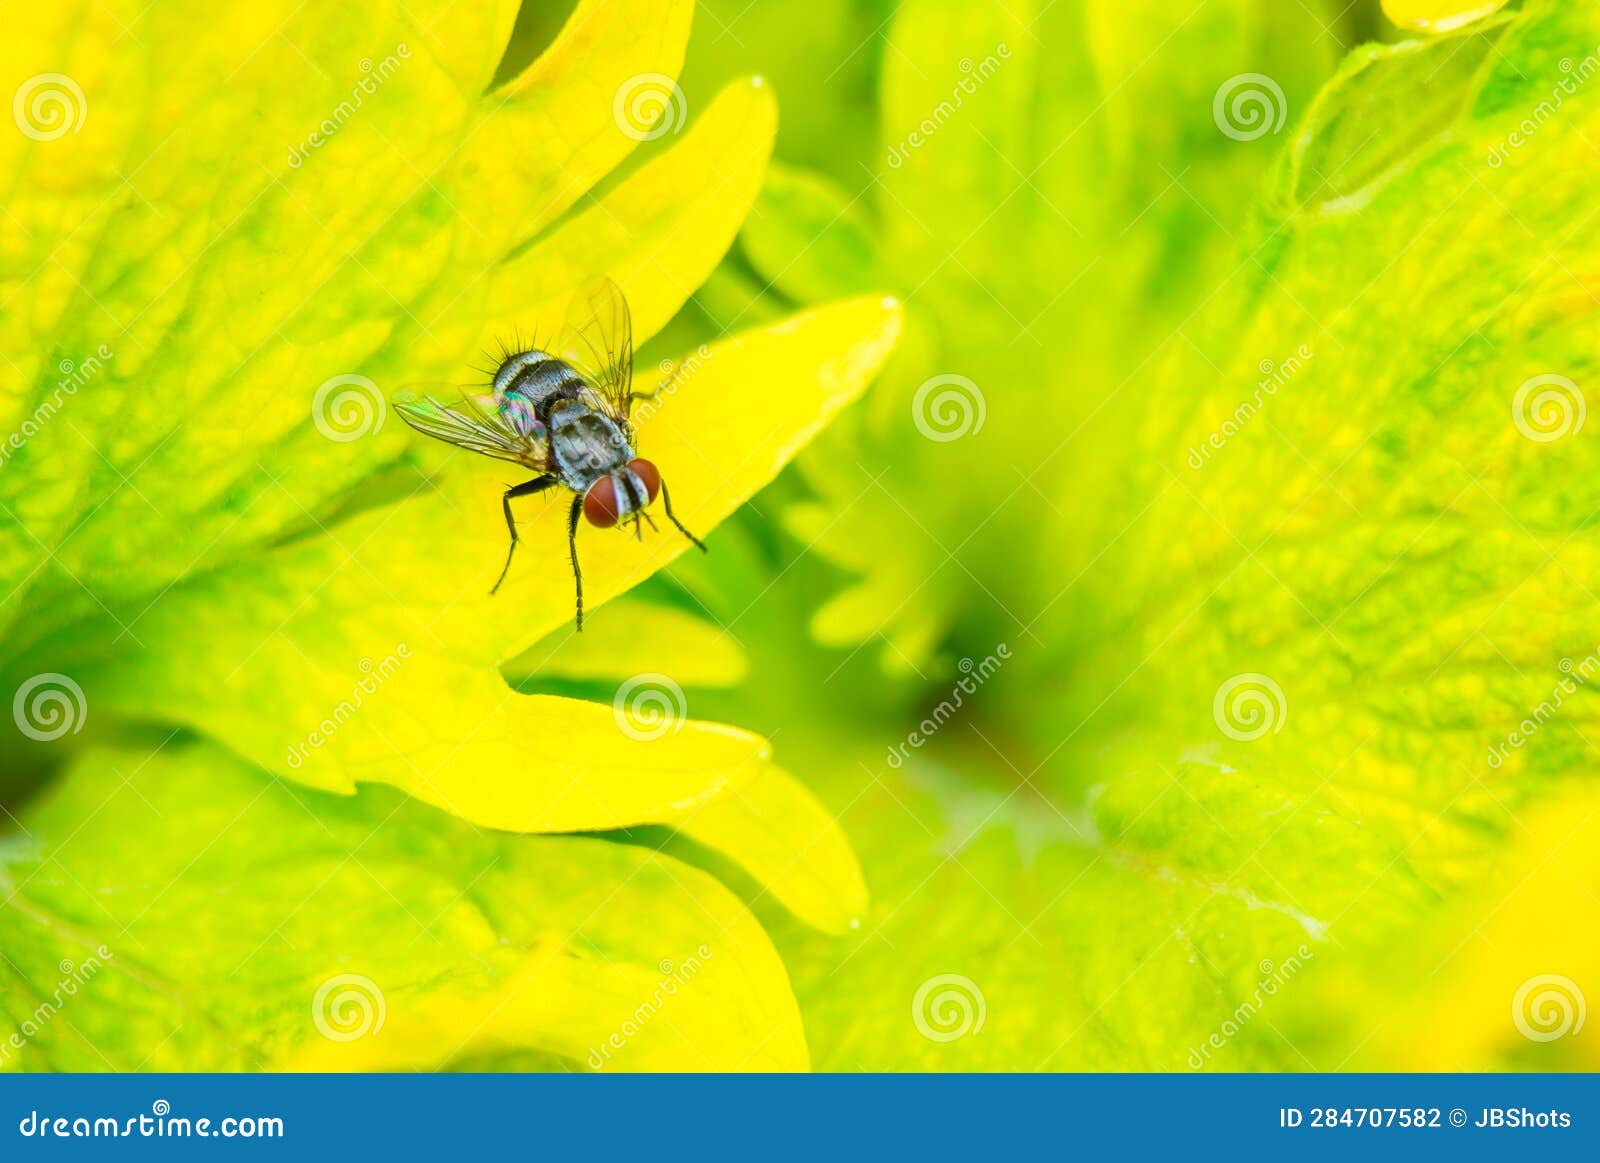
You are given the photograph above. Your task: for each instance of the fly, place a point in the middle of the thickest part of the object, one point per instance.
(562, 410)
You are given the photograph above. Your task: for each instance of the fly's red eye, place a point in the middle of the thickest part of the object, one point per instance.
(647, 473)
(600, 503)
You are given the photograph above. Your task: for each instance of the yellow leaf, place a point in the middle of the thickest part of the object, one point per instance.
(1504, 979)
(265, 576)
(423, 645)
(630, 637)
(686, 1015)
(790, 843)
(263, 926)
(1438, 15)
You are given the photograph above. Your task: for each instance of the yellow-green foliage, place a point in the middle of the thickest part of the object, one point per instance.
(1172, 720)
(195, 541)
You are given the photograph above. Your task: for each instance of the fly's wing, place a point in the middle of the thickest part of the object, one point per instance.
(472, 422)
(597, 341)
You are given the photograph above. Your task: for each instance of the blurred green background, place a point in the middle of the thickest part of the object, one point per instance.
(1117, 880)
(1151, 624)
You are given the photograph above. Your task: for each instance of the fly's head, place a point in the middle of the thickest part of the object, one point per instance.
(622, 494)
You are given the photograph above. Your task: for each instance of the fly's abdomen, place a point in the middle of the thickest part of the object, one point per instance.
(526, 385)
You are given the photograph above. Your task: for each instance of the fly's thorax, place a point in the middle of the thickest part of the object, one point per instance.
(586, 445)
(526, 384)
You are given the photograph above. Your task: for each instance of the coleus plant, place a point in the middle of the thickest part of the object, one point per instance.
(1299, 676)
(243, 613)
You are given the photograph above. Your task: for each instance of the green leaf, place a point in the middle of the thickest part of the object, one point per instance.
(822, 58)
(435, 716)
(1300, 619)
(214, 545)
(1531, 952)
(811, 237)
(269, 221)
(246, 283)
(266, 926)
(1038, 164)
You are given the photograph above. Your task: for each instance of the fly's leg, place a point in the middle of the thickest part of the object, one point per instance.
(526, 489)
(665, 388)
(572, 547)
(666, 503)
